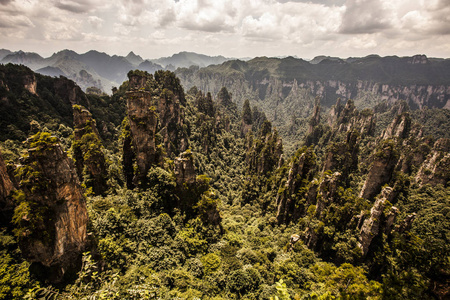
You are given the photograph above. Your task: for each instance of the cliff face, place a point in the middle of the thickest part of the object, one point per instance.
(264, 154)
(87, 148)
(70, 92)
(381, 171)
(379, 221)
(184, 169)
(156, 118)
(6, 186)
(286, 88)
(416, 95)
(300, 173)
(51, 216)
(436, 168)
(143, 127)
(400, 127)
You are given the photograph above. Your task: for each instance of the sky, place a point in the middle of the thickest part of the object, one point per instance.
(234, 28)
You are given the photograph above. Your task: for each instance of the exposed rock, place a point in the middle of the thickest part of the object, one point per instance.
(315, 119)
(294, 239)
(171, 123)
(90, 161)
(378, 221)
(335, 112)
(263, 154)
(143, 126)
(380, 173)
(30, 83)
(327, 192)
(70, 92)
(343, 156)
(6, 186)
(155, 117)
(52, 232)
(299, 175)
(82, 118)
(184, 169)
(399, 128)
(418, 59)
(350, 119)
(435, 169)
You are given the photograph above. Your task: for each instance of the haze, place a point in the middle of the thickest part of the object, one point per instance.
(231, 28)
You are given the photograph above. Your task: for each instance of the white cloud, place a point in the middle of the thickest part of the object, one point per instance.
(234, 27)
(95, 21)
(365, 16)
(78, 6)
(15, 22)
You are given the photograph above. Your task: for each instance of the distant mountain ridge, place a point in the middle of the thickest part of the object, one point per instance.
(100, 70)
(186, 59)
(286, 89)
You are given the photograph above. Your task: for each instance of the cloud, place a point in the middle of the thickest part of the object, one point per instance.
(95, 22)
(15, 22)
(264, 27)
(78, 6)
(5, 2)
(365, 16)
(324, 2)
(294, 22)
(206, 15)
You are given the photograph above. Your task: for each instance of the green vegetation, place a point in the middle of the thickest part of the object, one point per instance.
(252, 222)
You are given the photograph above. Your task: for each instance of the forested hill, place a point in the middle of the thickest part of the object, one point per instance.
(419, 80)
(286, 88)
(163, 192)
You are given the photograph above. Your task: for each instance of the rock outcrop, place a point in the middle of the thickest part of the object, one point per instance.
(349, 118)
(384, 161)
(156, 118)
(300, 174)
(88, 154)
(321, 194)
(6, 187)
(247, 119)
(51, 216)
(436, 168)
(326, 192)
(343, 156)
(399, 128)
(184, 169)
(381, 220)
(263, 154)
(143, 127)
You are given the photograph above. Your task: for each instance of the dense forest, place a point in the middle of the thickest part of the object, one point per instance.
(158, 192)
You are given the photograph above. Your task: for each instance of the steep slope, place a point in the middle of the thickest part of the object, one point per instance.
(29, 98)
(285, 88)
(187, 59)
(51, 216)
(233, 215)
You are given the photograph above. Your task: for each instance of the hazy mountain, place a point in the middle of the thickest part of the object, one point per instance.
(187, 59)
(99, 69)
(113, 68)
(320, 58)
(51, 71)
(4, 52)
(149, 66)
(133, 58)
(30, 59)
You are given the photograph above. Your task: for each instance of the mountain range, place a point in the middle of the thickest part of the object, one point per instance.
(100, 70)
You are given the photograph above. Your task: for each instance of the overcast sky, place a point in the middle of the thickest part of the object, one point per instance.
(236, 28)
